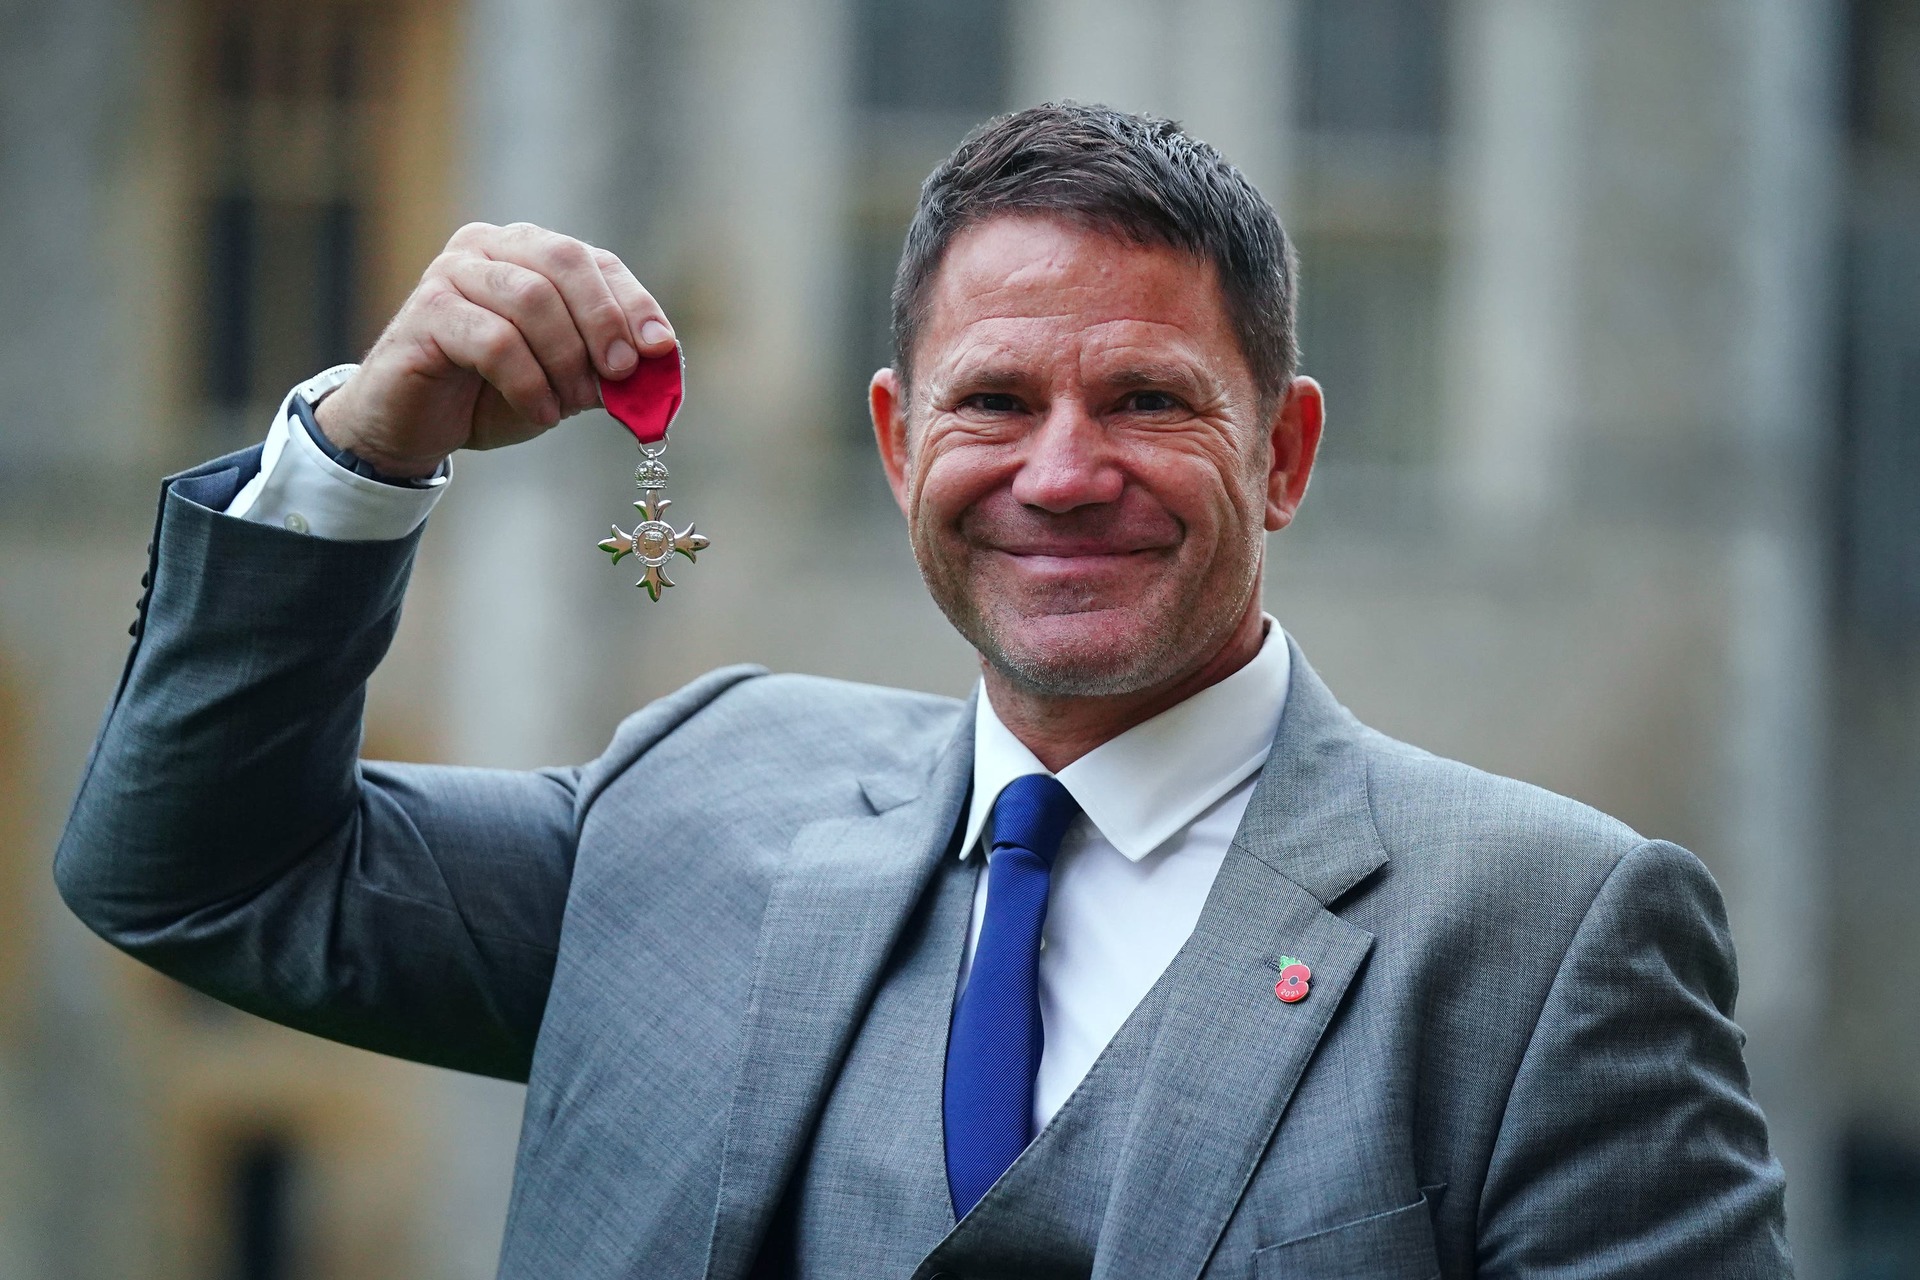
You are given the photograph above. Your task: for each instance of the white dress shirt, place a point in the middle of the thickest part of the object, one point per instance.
(1158, 805)
(302, 489)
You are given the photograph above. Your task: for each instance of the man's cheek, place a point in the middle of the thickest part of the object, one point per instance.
(939, 489)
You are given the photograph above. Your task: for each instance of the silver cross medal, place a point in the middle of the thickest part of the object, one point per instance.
(645, 402)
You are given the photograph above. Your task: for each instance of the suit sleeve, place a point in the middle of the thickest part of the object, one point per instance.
(226, 832)
(1630, 1145)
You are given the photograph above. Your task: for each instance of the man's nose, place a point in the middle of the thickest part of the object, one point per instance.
(1069, 462)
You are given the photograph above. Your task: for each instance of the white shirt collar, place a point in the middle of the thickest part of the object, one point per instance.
(1142, 787)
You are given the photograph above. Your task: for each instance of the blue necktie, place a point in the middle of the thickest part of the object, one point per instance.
(993, 1050)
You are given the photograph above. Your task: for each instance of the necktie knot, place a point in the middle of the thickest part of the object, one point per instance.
(1033, 812)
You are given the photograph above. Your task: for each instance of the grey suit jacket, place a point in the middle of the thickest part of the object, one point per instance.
(1517, 1058)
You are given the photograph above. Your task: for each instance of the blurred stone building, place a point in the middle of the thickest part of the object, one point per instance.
(1615, 305)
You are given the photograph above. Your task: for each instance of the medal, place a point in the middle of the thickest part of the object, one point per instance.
(645, 402)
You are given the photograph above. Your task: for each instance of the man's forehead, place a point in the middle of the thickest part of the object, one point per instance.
(1011, 279)
(1011, 255)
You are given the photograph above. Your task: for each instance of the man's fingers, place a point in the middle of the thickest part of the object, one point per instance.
(648, 321)
(476, 338)
(532, 303)
(588, 295)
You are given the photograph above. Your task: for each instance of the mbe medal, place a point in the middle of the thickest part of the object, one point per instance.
(644, 402)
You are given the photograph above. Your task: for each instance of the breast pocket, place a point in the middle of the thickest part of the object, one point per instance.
(1396, 1245)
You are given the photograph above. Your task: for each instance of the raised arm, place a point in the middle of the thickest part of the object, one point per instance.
(225, 830)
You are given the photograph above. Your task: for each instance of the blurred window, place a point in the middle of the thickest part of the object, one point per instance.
(1373, 66)
(1880, 440)
(1879, 462)
(1368, 217)
(1370, 313)
(282, 191)
(1880, 1205)
(260, 1208)
(925, 72)
(932, 55)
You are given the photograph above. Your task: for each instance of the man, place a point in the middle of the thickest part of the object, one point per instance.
(1244, 989)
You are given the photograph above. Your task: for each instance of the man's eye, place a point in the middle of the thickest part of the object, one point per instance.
(1151, 402)
(993, 402)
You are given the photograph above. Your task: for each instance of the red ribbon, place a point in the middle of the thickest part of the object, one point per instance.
(645, 401)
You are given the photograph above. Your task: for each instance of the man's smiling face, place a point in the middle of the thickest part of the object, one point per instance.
(1083, 458)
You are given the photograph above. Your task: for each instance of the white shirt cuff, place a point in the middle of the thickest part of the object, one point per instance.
(301, 489)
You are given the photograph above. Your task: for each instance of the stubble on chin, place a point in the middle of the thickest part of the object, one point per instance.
(1082, 662)
(1053, 651)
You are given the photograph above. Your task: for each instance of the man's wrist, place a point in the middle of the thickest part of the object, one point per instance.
(307, 485)
(307, 412)
(327, 420)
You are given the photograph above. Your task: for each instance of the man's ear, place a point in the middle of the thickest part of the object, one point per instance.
(1296, 442)
(887, 403)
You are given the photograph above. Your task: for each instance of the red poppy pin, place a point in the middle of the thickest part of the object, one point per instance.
(1295, 981)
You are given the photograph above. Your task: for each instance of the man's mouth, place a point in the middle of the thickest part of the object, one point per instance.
(1076, 548)
(1077, 563)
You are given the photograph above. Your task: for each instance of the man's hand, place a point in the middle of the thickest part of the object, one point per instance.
(502, 339)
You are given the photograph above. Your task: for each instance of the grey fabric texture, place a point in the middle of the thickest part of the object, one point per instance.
(886, 1184)
(722, 955)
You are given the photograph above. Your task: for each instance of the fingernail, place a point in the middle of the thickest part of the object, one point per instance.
(653, 332)
(620, 354)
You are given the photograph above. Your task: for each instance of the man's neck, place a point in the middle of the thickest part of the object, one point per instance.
(1059, 729)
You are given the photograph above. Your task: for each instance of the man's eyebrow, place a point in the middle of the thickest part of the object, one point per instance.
(1183, 376)
(997, 375)
(986, 376)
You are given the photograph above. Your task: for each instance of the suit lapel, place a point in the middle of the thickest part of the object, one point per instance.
(835, 910)
(1228, 1053)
